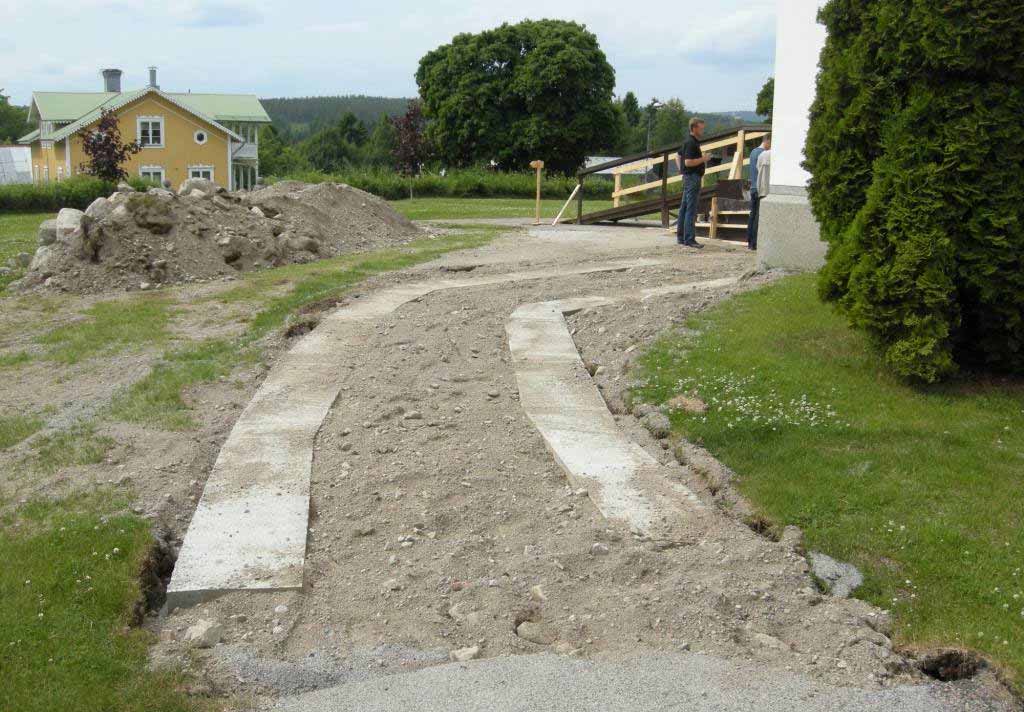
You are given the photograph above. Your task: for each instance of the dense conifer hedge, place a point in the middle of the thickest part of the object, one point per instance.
(916, 150)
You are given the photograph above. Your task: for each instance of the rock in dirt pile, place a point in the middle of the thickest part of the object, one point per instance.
(139, 240)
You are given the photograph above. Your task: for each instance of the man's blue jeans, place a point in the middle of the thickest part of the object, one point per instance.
(755, 216)
(686, 227)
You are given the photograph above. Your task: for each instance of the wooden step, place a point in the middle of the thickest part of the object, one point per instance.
(735, 226)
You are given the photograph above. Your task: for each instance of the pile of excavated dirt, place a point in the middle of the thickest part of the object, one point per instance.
(135, 240)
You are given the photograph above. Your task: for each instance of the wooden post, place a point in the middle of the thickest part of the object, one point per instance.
(579, 202)
(713, 230)
(664, 191)
(618, 187)
(737, 160)
(537, 166)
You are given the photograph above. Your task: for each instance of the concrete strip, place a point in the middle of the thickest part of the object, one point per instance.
(249, 529)
(556, 391)
(650, 683)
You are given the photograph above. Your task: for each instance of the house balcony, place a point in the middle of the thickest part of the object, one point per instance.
(244, 151)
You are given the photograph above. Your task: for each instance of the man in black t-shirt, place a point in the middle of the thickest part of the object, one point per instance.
(691, 164)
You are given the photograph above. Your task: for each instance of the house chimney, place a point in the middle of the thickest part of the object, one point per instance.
(112, 80)
(152, 78)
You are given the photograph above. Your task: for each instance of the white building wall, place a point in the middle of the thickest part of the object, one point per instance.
(788, 236)
(798, 42)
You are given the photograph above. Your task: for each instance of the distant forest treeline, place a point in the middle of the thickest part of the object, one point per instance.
(298, 118)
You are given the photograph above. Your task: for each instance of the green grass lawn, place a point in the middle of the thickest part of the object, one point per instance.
(68, 582)
(18, 233)
(923, 490)
(468, 208)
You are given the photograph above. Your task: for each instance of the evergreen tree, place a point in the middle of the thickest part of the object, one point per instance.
(13, 120)
(631, 109)
(915, 153)
(766, 99)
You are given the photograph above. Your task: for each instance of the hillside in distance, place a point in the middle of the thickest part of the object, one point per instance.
(299, 117)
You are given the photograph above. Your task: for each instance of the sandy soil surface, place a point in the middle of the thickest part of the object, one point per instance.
(440, 522)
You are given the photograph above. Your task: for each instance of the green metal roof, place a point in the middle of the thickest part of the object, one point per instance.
(77, 106)
(226, 107)
(29, 138)
(113, 101)
(65, 105)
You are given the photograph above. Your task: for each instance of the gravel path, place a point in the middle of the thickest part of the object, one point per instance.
(441, 526)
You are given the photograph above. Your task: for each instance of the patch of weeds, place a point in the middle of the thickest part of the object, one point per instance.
(111, 327)
(15, 360)
(157, 398)
(15, 428)
(18, 233)
(78, 445)
(69, 583)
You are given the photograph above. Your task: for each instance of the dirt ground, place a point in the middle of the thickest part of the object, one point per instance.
(439, 520)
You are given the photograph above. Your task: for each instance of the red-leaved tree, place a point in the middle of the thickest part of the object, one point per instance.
(106, 151)
(410, 145)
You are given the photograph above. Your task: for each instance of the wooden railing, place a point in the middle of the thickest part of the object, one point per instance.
(732, 165)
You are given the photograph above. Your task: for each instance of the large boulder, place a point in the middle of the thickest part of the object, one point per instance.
(206, 186)
(44, 261)
(48, 231)
(99, 209)
(151, 213)
(69, 221)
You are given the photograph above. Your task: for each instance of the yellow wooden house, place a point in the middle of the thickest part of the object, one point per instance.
(213, 136)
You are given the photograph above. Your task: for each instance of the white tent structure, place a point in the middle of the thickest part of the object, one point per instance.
(15, 164)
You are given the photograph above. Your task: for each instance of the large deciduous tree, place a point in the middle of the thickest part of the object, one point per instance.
(915, 151)
(105, 150)
(534, 90)
(13, 120)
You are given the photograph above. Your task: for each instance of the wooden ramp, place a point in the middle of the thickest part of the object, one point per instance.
(722, 205)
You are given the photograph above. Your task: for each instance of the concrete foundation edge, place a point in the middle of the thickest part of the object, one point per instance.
(788, 235)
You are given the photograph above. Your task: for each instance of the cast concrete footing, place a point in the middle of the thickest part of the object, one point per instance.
(788, 235)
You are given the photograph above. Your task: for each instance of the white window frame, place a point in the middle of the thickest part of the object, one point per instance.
(196, 169)
(153, 169)
(204, 132)
(150, 119)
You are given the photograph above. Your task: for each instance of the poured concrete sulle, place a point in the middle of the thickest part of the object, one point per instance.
(683, 683)
(249, 528)
(624, 481)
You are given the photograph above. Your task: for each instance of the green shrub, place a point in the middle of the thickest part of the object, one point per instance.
(76, 192)
(468, 183)
(915, 151)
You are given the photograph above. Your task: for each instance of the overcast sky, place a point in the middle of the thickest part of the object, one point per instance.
(714, 56)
